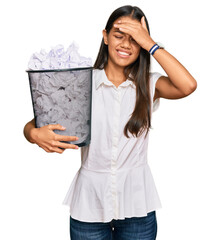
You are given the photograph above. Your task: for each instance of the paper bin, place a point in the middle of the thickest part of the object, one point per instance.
(63, 96)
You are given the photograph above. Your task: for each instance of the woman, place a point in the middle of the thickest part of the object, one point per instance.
(113, 193)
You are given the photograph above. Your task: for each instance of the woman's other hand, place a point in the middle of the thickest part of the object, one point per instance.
(45, 137)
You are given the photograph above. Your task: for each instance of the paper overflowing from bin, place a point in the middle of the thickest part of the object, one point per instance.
(58, 58)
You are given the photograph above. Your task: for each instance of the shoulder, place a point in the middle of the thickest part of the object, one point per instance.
(97, 72)
(154, 76)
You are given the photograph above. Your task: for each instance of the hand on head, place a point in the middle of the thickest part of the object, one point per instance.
(137, 30)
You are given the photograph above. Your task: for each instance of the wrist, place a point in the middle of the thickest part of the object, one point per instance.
(150, 45)
(155, 47)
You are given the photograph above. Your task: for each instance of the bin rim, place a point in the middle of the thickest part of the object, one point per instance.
(59, 70)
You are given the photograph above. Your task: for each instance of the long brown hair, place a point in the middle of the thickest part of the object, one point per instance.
(138, 72)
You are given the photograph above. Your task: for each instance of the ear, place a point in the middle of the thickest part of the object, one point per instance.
(105, 36)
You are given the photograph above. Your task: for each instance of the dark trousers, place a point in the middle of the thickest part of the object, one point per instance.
(135, 228)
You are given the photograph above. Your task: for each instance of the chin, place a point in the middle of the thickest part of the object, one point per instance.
(124, 62)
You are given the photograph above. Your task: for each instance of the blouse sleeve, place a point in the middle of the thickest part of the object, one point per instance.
(154, 77)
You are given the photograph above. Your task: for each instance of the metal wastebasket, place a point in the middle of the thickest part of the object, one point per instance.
(63, 96)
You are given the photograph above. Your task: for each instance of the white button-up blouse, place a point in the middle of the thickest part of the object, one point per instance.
(114, 180)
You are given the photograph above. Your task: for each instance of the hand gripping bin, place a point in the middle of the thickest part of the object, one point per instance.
(63, 96)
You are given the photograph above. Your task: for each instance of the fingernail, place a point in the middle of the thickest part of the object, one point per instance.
(115, 25)
(63, 127)
(119, 21)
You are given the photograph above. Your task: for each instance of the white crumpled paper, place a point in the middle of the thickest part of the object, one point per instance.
(58, 58)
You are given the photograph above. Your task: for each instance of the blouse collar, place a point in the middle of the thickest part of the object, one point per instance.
(104, 79)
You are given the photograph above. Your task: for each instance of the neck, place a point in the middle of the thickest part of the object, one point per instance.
(115, 73)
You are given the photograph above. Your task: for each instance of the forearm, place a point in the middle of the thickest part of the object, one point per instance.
(28, 131)
(176, 72)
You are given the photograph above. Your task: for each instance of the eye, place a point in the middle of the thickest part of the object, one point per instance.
(119, 37)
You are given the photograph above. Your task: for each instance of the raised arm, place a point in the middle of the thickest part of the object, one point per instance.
(179, 82)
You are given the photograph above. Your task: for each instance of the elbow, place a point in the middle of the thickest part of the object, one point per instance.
(191, 88)
(194, 85)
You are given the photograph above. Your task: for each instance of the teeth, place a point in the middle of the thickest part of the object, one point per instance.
(123, 53)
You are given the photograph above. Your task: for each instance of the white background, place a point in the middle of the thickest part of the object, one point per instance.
(184, 144)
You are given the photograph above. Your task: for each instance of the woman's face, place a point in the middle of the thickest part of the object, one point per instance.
(122, 48)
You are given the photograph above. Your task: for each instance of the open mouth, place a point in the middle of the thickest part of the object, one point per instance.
(123, 54)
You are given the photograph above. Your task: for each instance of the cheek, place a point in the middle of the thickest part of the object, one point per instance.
(137, 52)
(112, 45)
(136, 48)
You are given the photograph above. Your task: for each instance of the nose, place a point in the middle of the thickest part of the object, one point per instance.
(126, 42)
